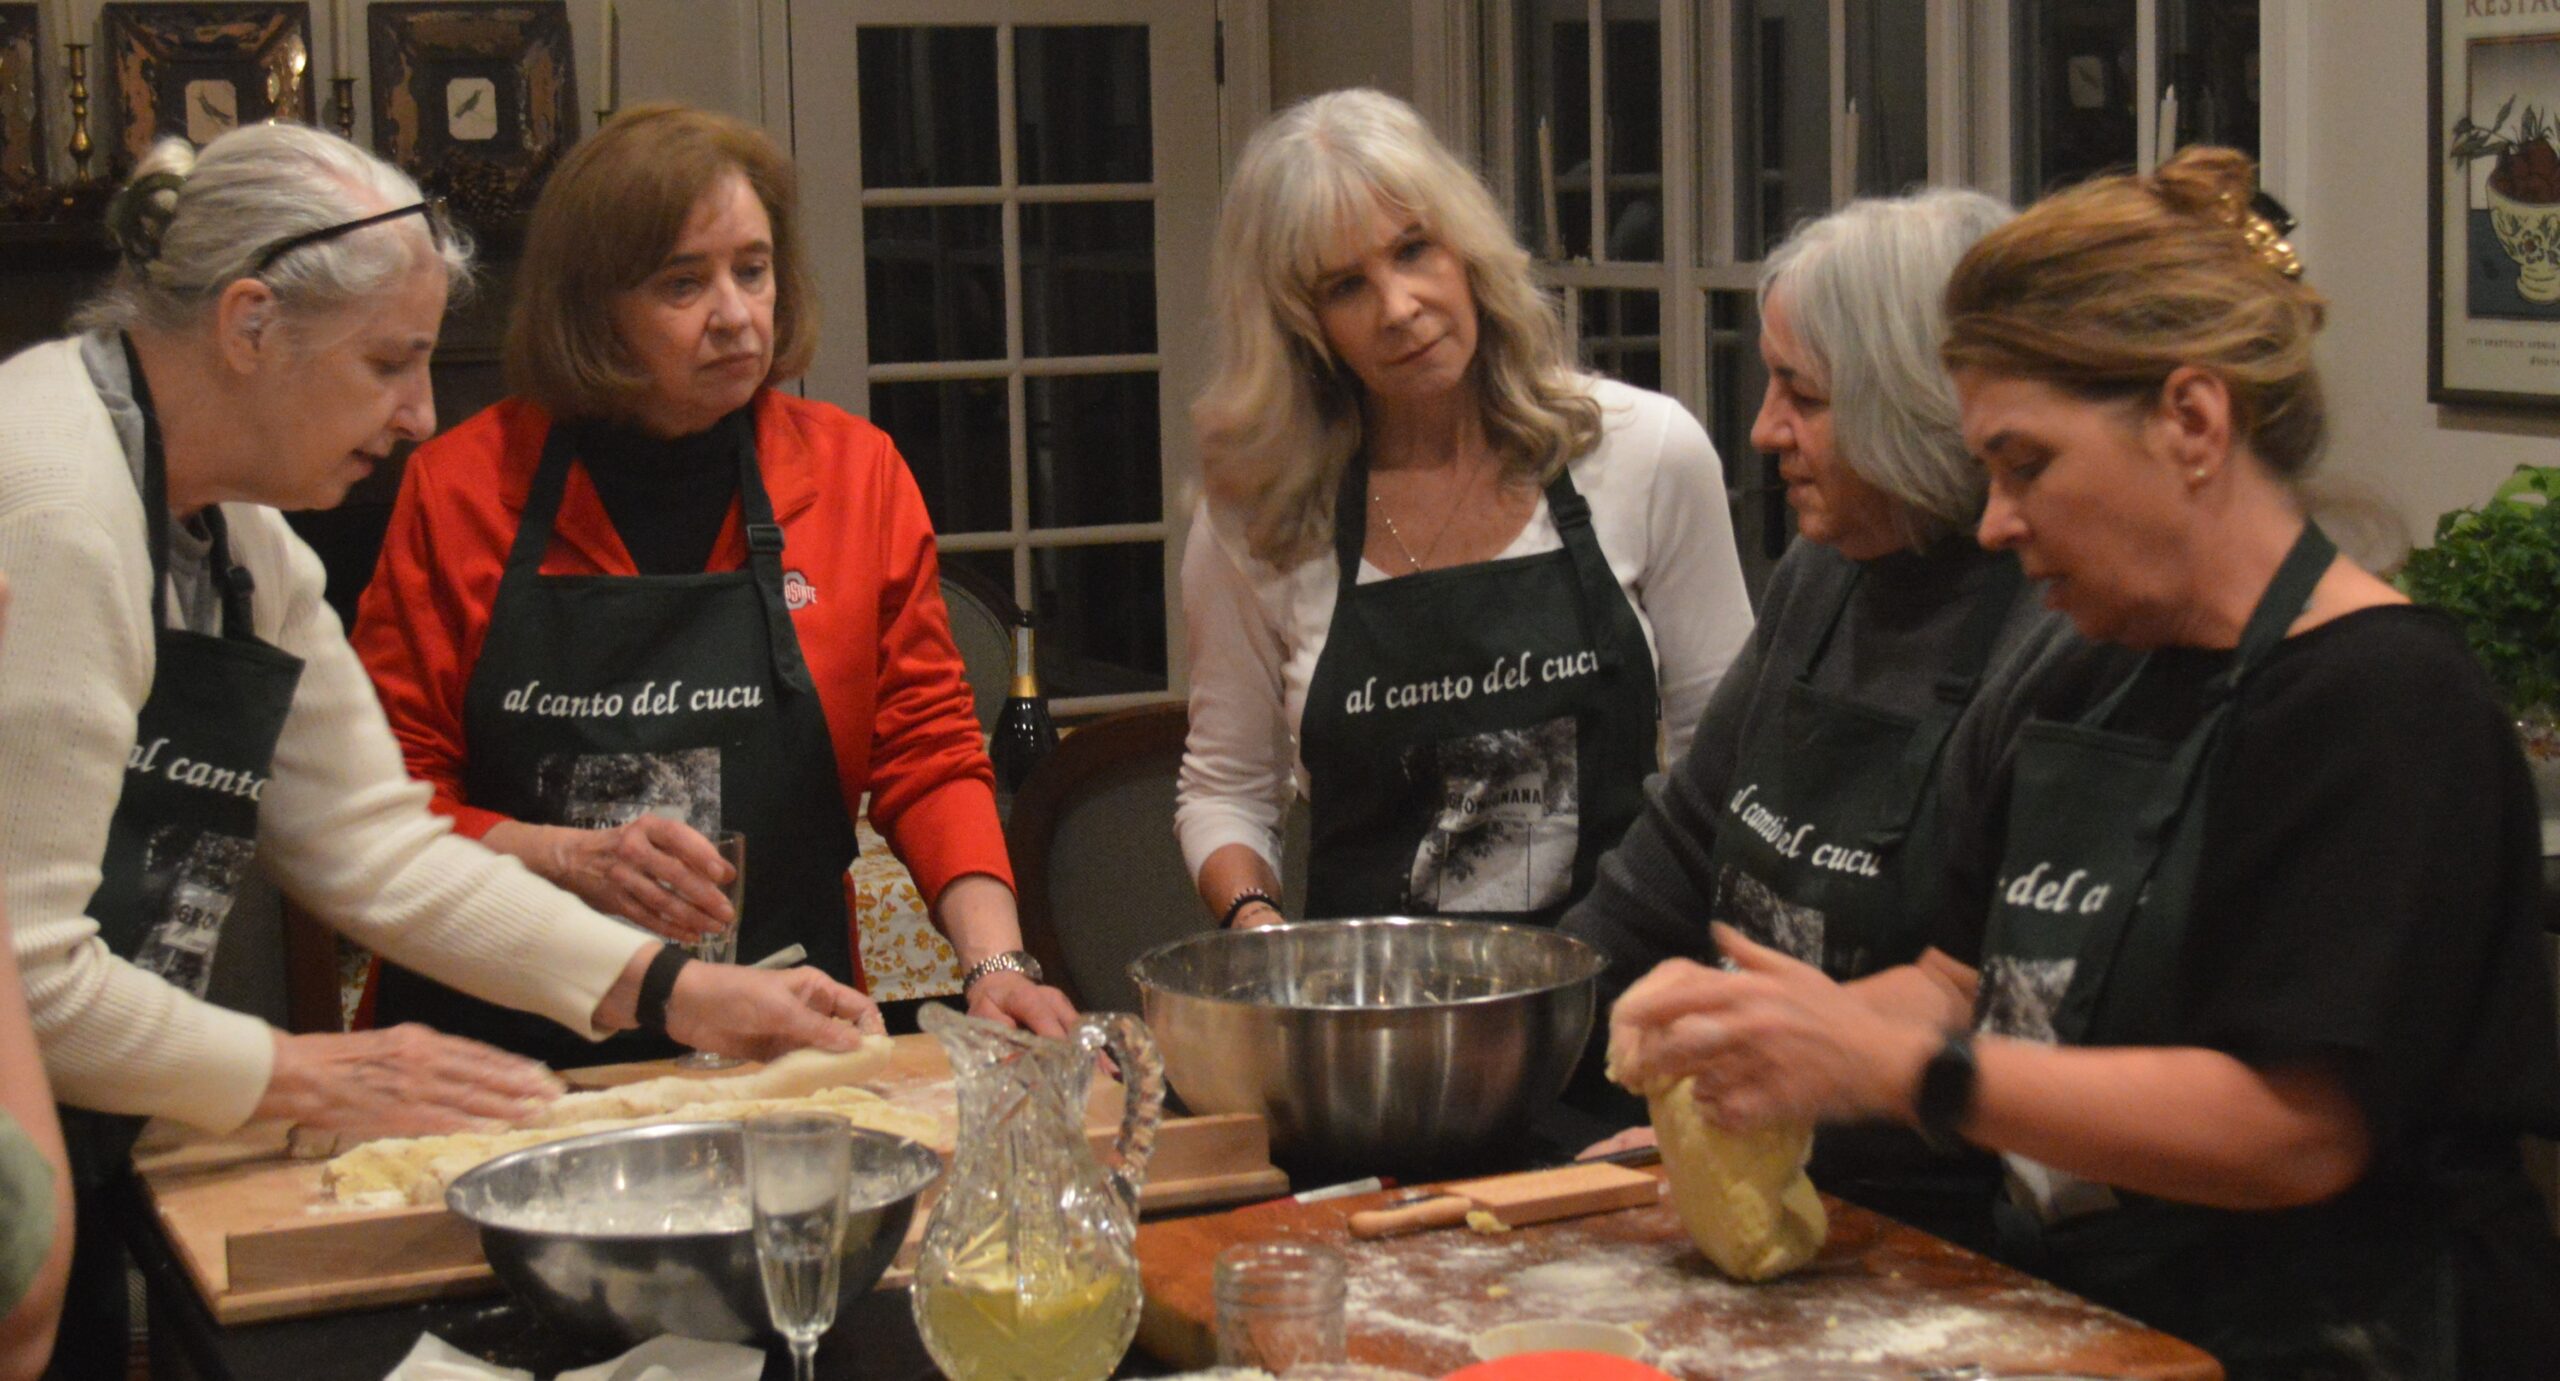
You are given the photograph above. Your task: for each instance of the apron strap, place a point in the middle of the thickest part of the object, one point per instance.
(1351, 519)
(1839, 609)
(1594, 584)
(234, 583)
(155, 485)
(2114, 940)
(764, 555)
(755, 508)
(1954, 691)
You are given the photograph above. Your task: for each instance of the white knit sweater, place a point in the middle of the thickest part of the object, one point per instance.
(341, 827)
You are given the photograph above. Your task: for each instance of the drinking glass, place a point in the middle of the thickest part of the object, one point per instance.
(798, 1167)
(722, 948)
(1279, 1305)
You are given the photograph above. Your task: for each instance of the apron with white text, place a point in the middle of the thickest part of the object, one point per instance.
(178, 847)
(1827, 849)
(2087, 932)
(600, 698)
(1475, 737)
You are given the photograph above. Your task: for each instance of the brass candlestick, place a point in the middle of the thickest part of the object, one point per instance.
(80, 147)
(342, 106)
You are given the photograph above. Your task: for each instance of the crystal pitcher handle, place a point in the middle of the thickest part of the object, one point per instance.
(1133, 1048)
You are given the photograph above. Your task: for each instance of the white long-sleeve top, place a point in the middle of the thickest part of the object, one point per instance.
(1658, 507)
(341, 827)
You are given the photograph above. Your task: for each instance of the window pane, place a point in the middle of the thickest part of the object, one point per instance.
(1089, 278)
(2209, 52)
(1101, 612)
(1082, 103)
(2075, 91)
(935, 279)
(1782, 117)
(1632, 91)
(955, 437)
(928, 106)
(1554, 47)
(1622, 335)
(1889, 79)
(1096, 450)
(1736, 379)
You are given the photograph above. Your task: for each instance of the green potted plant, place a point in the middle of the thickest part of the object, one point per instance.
(2496, 570)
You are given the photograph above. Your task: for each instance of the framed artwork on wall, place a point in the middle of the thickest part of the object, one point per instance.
(200, 69)
(476, 101)
(22, 151)
(2493, 228)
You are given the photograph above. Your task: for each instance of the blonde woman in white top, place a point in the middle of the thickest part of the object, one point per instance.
(1442, 583)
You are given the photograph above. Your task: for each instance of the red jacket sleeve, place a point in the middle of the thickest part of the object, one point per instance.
(932, 790)
(420, 622)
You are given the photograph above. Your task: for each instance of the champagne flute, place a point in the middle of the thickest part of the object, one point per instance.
(722, 946)
(798, 1168)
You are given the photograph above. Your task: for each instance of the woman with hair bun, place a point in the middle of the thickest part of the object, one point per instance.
(2243, 978)
(177, 703)
(1449, 587)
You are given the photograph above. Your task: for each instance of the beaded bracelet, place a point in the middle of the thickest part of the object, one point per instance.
(1242, 900)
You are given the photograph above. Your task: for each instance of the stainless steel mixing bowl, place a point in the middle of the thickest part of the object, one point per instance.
(618, 1237)
(1384, 1045)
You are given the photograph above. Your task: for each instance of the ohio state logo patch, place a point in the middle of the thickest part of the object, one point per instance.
(797, 592)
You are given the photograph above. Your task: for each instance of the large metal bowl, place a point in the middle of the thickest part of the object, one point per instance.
(1384, 1045)
(618, 1237)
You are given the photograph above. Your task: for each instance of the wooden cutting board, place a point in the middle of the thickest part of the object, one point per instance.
(258, 1236)
(1879, 1294)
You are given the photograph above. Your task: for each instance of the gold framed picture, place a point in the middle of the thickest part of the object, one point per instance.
(198, 70)
(22, 152)
(477, 101)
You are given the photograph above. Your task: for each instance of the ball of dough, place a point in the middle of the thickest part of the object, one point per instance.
(1743, 1196)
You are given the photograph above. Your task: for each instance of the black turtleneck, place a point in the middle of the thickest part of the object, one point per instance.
(667, 498)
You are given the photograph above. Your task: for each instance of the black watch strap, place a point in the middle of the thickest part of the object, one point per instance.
(1945, 1097)
(656, 986)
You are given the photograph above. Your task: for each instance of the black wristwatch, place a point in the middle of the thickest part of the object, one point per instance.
(1945, 1098)
(656, 986)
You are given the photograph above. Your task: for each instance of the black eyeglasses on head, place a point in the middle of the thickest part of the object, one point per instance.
(439, 230)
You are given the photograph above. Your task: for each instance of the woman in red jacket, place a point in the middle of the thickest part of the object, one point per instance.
(651, 598)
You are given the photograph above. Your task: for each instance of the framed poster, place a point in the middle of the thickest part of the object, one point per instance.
(22, 149)
(200, 69)
(476, 101)
(2493, 229)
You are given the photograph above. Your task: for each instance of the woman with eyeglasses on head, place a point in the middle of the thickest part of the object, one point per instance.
(177, 703)
(1454, 589)
(2242, 972)
(653, 596)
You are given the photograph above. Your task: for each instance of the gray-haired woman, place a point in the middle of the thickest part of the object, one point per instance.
(177, 703)
(1804, 814)
(1454, 587)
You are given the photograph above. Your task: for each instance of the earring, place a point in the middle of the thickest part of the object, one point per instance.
(2196, 474)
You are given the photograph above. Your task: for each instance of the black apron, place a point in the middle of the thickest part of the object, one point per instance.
(180, 843)
(1826, 849)
(597, 699)
(2086, 934)
(1475, 737)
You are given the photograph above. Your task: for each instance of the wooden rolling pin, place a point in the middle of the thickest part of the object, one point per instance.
(1516, 1201)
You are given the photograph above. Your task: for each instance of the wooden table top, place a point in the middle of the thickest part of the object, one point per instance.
(1880, 1294)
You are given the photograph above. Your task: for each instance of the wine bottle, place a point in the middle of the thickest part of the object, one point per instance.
(1023, 734)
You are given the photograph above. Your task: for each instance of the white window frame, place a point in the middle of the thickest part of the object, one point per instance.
(1184, 188)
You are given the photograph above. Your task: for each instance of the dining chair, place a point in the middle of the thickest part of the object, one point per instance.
(982, 623)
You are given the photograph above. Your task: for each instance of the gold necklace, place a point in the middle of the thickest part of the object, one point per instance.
(1378, 501)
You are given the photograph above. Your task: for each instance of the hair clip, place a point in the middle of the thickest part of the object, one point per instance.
(137, 218)
(2263, 224)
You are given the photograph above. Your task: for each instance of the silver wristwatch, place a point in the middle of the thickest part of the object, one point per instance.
(1008, 961)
